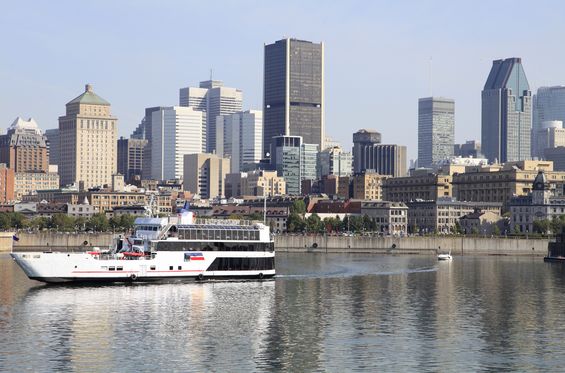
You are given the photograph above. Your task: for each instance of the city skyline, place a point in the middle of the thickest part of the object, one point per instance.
(135, 79)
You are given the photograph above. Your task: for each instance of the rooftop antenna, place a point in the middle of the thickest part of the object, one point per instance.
(211, 73)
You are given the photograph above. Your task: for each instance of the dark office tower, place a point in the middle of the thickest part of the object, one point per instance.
(506, 112)
(364, 142)
(130, 157)
(143, 131)
(293, 91)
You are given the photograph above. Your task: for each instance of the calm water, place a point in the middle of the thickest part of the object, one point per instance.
(331, 313)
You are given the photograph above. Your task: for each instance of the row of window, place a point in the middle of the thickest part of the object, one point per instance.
(213, 246)
(242, 264)
(219, 234)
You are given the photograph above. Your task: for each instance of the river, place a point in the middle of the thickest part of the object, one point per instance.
(323, 312)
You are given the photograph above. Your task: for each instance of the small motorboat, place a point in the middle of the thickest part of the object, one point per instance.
(444, 256)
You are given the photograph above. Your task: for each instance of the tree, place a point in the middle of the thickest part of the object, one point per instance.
(298, 207)
(62, 222)
(255, 216)
(235, 217)
(98, 223)
(17, 220)
(496, 230)
(542, 226)
(127, 221)
(5, 221)
(39, 223)
(295, 223)
(314, 223)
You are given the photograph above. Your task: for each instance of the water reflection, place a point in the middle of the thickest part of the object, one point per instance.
(324, 313)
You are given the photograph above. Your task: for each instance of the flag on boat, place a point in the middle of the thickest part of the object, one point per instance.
(15, 238)
(193, 256)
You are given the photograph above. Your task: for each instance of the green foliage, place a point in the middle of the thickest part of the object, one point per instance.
(295, 223)
(62, 222)
(98, 223)
(235, 217)
(314, 223)
(542, 226)
(496, 230)
(255, 216)
(298, 207)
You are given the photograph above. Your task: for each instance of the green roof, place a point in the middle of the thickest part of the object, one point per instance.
(89, 98)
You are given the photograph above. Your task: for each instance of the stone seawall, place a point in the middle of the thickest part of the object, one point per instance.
(315, 244)
(412, 245)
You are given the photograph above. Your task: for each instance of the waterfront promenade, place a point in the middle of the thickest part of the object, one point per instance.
(429, 245)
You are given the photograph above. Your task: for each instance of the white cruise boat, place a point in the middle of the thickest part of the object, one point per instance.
(163, 249)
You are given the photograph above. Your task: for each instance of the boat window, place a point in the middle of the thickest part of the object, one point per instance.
(170, 268)
(180, 268)
(112, 268)
(152, 268)
(241, 264)
(120, 268)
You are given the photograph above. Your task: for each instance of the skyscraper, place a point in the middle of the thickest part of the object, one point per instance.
(239, 137)
(506, 112)
(54, 145)
(213, 99)
(88, 141)
(369, 155)
(293, 91)
(436, 130)
(144, 131)
(548, 105)
(205, 174)
(175, 131)
(130, 157)
(334, 161)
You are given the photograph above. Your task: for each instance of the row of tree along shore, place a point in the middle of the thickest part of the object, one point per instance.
(65, 223)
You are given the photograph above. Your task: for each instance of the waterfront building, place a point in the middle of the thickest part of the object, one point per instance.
(24, 147)
(104, 200)
(6, 184)
(443, 214)
(204, 174)
(540, 204)
(175, 132)
(294, 161)
(212, 99)
(335, 162)
(130, 157)
(506, 113)
(470, 148)
(81, 210)
(481, 222)
(293, 92)
(308, 162)
(53, 140)
(369, 154)
(88, 141)
(368, 186)
(27, 182)
(550, 135)
(436, 130)
(239, 136)
(422, 185)
(389, 217)
(499, 183)
(548, 105)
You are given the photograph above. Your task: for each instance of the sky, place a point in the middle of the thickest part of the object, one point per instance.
(380, 56)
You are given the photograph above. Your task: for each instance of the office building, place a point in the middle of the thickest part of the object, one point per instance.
(204, 175)
(550, 135)
(423, 185)
(24, 147)
(388, 217)
(368, 186)
(88, 141)
(293, 92)
(212, 99)
(144, 132)
(370, 155)
(548, 105)
(254, 183)
(499, 183)
(436, 130)
(130, 157)
(286, 159)
(53, 146)
(175, 131)
(557, 156)
(308, 161)
(28, 182)
(470, 148)
(334, 161)
(506, 113)
(239, 136)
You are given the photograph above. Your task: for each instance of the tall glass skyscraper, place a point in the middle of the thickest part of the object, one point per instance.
(506, 112)
(293, 91)
(548, 105)
(436, 130)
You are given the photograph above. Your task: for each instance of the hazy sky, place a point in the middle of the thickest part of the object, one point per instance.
(138, 54)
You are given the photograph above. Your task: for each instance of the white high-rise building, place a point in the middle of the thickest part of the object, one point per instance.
(175, 131)
(548, 105)
(213, 99)
(334, 161)
(239, 137)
